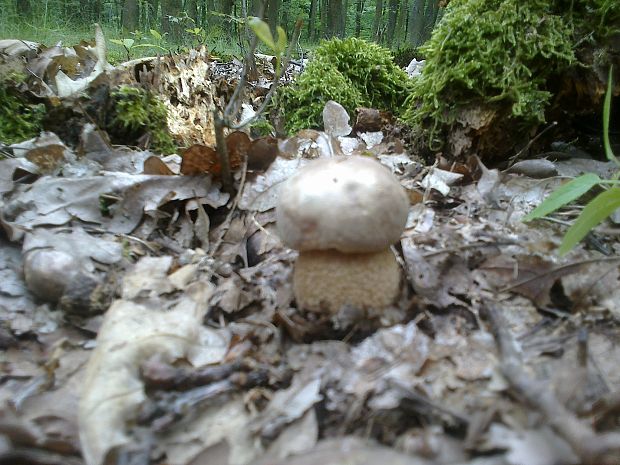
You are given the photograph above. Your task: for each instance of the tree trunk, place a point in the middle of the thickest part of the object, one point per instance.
(170, 10)
(312, 29)
(96, 11)
(130, 15)
(359, 9)
(401, 23)
(272, 11)
(191, 7)
(285, 21)
(391, 25)
(23, 9)
(324, 26)
(415, 23)
(343, 19)
(226, 8)
(430, 18)
(376, 24)
(334, 20)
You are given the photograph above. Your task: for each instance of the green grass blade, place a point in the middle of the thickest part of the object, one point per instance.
(606, 111)
(594, 212)
(563, 195)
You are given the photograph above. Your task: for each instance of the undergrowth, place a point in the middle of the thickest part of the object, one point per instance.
(500, 55)
(19, 119)
(352, 72)
(138, 113)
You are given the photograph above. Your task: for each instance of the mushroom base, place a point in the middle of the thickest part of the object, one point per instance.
(326, 280)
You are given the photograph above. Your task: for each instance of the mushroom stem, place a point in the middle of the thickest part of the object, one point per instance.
(326, 280)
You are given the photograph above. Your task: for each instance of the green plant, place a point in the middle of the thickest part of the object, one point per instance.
(130, 45)
(278, 46)
(352, 72)
(137, 112)
(597, 209)
(19, 120)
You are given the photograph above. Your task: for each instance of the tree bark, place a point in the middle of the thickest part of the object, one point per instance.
(324, 26)
(312, 29)
(415, 23)
(334, 20)
(130, 15)
(391, 25)
(401, 23)
(272, 11)
(376, 24)
(359, 9)
(343, 19)
(430, 18)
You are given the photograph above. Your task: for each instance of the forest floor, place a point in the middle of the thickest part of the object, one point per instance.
(148, 316)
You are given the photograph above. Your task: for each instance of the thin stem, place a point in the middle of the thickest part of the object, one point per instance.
(276, 80)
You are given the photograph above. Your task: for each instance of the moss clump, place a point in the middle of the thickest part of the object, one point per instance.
(137, 113)
(19, 120)
(492, 53)
(503, 56)
(352, 72)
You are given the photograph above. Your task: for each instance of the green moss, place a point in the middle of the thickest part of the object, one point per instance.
(352, 72)
(501, 55)
(494, 53)
(137, 112)
(19, 120)
(261, 127)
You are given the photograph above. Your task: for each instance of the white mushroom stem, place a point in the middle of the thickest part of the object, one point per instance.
(326, 280)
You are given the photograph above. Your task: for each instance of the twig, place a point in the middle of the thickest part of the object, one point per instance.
(515, 157)
(557, 270)
(276, 80)
(473, 245)
(592, 448)
(233, 207)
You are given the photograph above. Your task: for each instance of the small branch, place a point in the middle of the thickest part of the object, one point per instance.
(514, 158)
(222, 152)
(592, 448)
(276, 80)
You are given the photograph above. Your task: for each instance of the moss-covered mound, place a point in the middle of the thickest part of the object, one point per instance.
(19, 119)
(136, 114)
(493, 66)
(352, 72)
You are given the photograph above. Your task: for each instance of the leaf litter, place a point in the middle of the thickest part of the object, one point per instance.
(185, 346)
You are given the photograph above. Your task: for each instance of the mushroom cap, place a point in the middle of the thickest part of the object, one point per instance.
(326, 280)
(48, 272)
(350, 204)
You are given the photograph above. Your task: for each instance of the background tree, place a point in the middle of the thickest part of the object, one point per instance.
(396, 23)
(130, 15)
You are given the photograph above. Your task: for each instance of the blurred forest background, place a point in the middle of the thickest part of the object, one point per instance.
(176, 24)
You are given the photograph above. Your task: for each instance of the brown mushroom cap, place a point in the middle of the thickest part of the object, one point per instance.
(351, 204)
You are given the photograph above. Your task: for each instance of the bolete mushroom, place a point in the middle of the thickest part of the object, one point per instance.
(342, 214)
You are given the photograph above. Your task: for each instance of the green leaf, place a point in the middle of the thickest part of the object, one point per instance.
(606, 111)
(151, 46)
(262, 31)
(281, 45)
(594, 212)
(155, 34)
(563, 195)
(127, 43)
